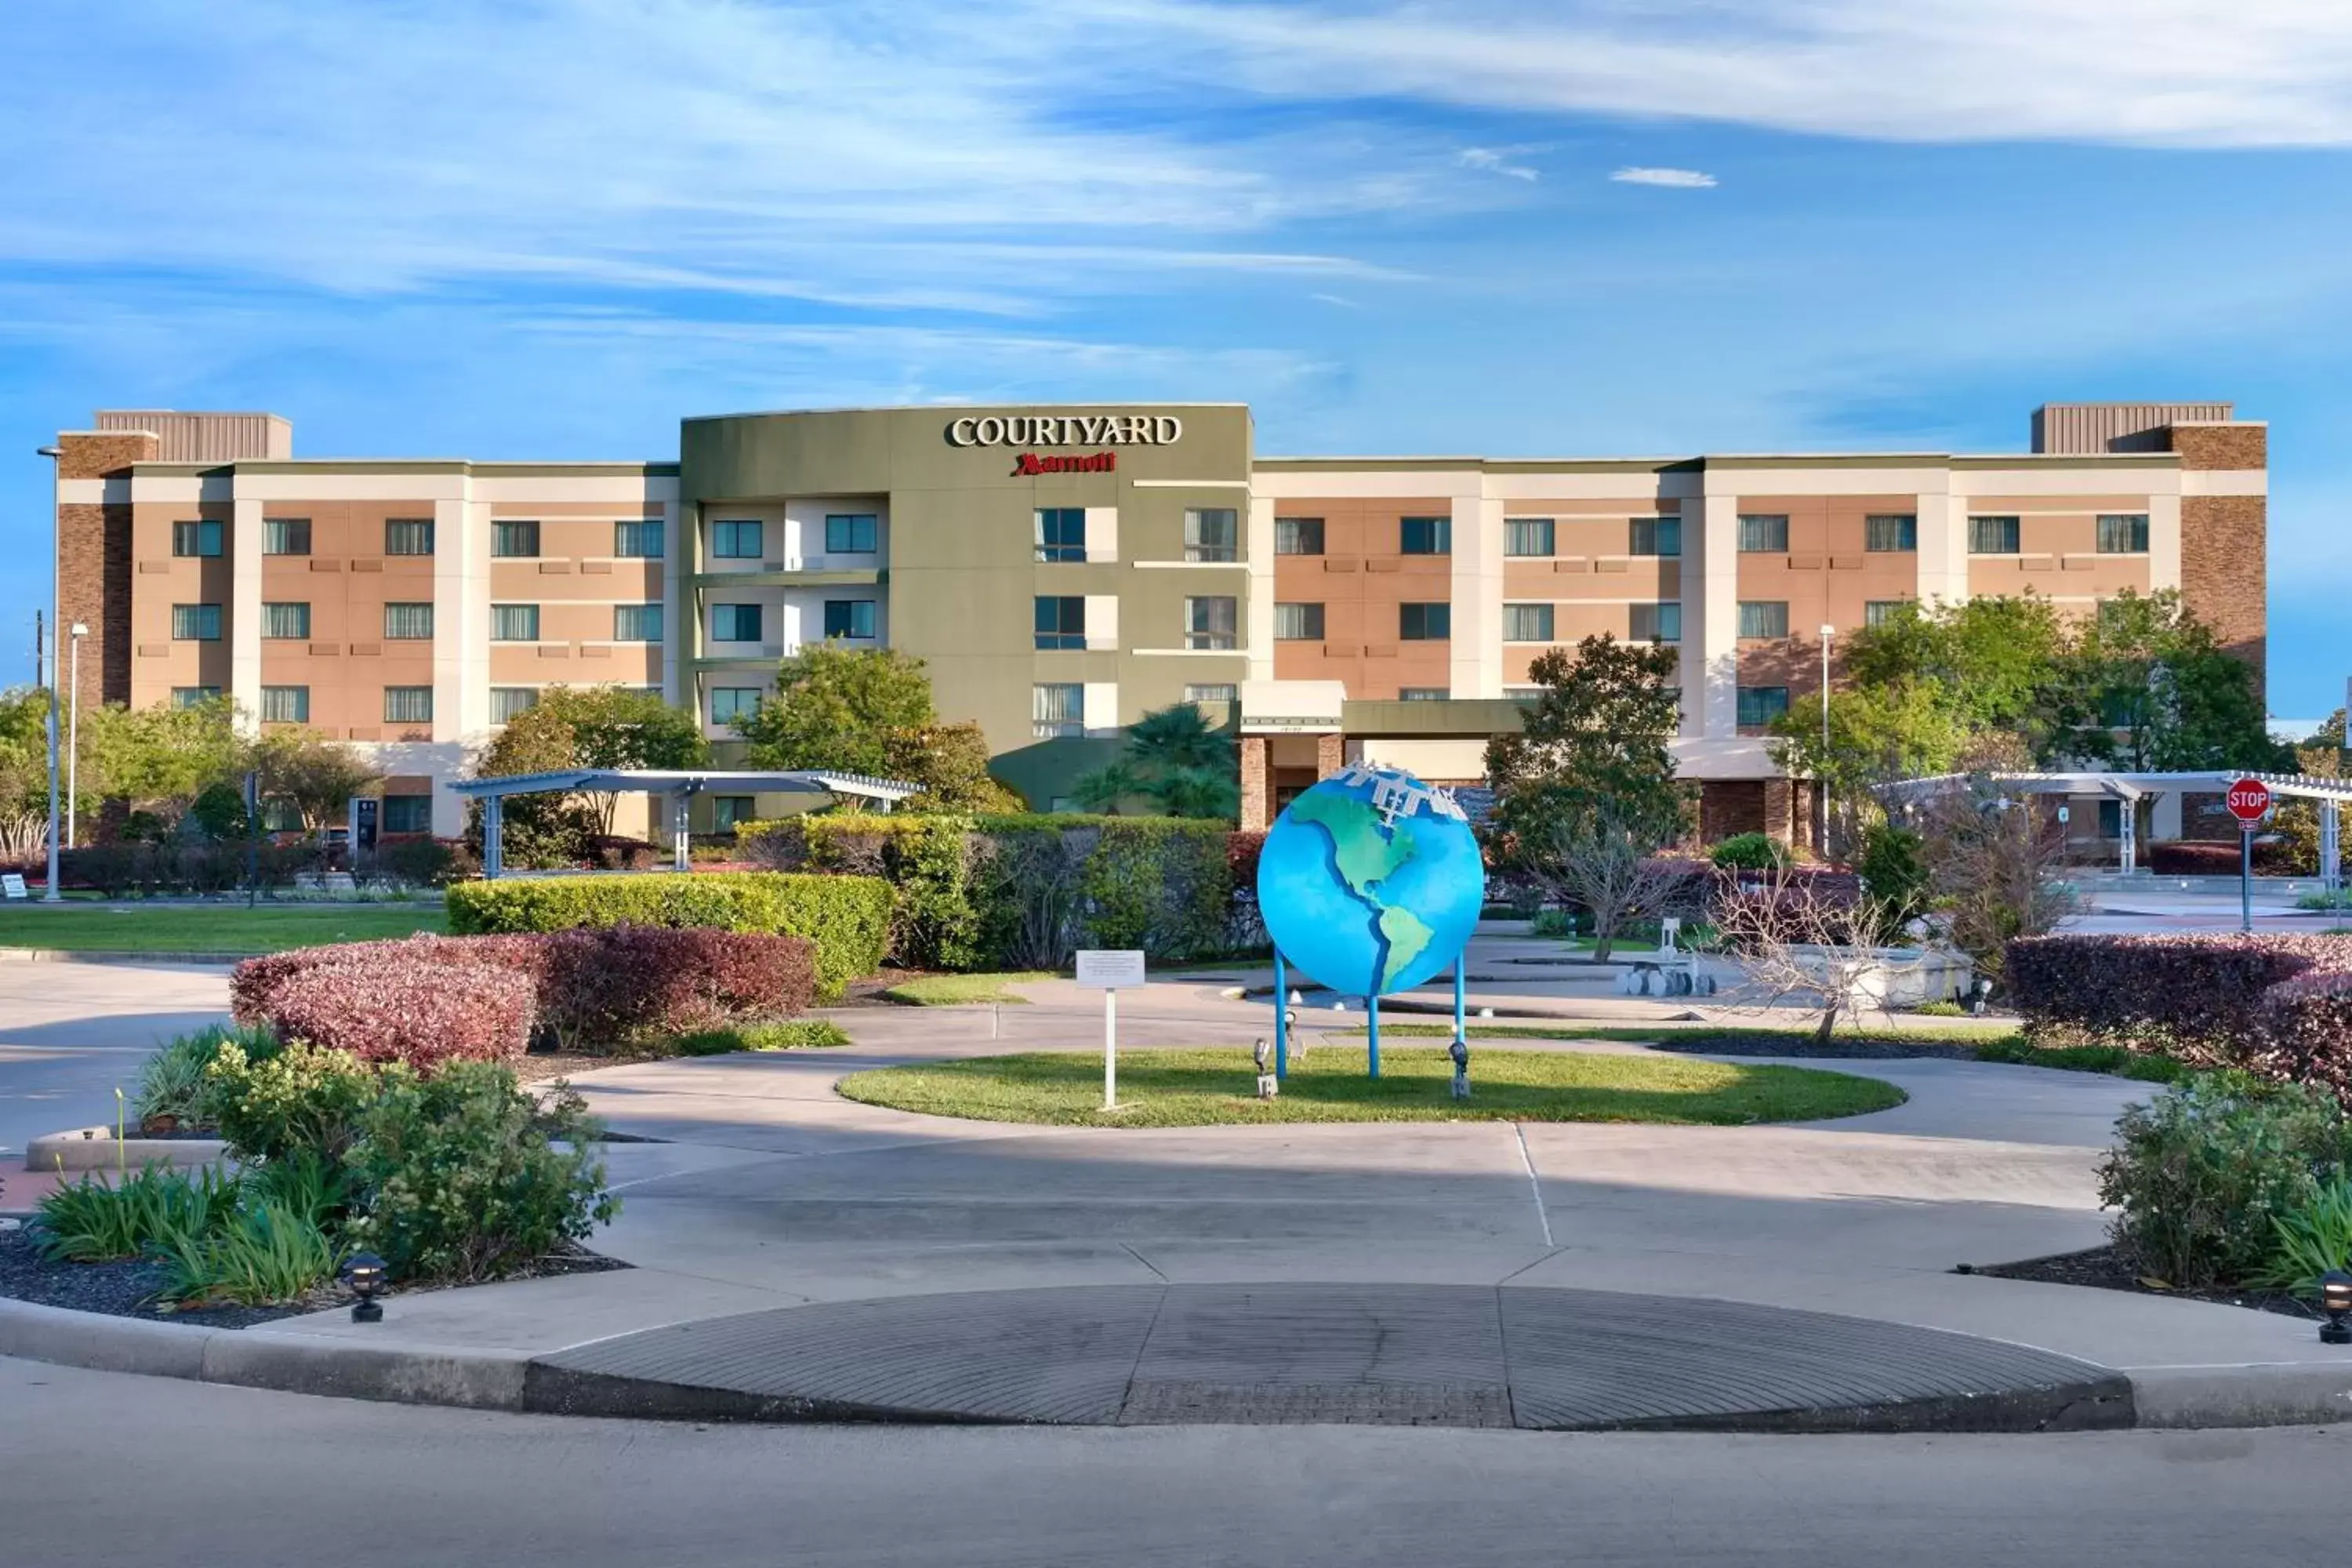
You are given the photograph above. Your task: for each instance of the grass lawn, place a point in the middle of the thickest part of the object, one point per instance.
(1987, 1042)
(947, 990)
(209, 928)
(1205, 1086)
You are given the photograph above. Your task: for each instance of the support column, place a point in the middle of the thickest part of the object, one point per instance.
(1257, 783)
(1779, 797)
(2331, 863)
(494, 858)
(1330, 755)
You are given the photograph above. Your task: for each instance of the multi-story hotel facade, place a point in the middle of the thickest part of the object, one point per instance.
(1063, 570)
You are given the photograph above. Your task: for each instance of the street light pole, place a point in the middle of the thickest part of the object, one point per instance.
(73, 731)
(1821, 793)
(53, 454)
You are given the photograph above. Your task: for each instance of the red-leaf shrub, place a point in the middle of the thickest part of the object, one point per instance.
(628, 984)
(2306, 1034)
(423, 1014)
(2193, 857)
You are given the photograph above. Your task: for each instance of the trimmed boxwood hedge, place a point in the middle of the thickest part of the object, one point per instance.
(847, 917)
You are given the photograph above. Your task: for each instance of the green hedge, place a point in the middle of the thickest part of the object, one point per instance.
(848, 918)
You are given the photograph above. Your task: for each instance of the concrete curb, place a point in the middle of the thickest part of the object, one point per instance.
(116, 955)
(2288, 1394)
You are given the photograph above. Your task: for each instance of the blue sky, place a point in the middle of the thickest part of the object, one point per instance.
(547, 228)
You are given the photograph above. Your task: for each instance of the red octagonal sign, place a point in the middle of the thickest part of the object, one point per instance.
(2248, 799)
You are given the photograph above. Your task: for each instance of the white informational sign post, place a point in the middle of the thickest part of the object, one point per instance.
(1110, 971)
(13, 885)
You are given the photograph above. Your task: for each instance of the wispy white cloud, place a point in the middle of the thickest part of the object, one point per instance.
(1498, 160)
(1679, 179)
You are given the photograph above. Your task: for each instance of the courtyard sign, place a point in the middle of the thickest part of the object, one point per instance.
(1065, 430)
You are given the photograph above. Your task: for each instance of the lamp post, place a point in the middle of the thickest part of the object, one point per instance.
(1821, 793)
(73, 729)
(53, 454)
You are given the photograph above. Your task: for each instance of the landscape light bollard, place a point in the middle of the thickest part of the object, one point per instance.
(365, 1275)
(1297, 1042)
(1264, 1055)
(2335, 1300)
(1460, 1051)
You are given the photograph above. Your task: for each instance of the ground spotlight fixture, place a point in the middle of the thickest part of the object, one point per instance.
(364, 1273)
(2335, 1300)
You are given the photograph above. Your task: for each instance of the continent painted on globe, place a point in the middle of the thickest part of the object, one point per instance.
(1366, 848)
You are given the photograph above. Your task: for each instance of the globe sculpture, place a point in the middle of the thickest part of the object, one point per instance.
(1370, 881)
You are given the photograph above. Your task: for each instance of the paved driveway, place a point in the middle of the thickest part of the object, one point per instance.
(71, 1034)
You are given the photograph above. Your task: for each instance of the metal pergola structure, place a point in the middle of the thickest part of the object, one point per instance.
(814, 789)
(2132, 788)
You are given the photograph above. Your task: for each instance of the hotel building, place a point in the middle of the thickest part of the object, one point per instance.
(1062, 570)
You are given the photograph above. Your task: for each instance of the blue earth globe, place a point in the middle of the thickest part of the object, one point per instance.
(1370, 881)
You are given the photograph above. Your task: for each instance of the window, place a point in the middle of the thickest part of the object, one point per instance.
(1526, 623)
(1298, 536)
(729, 812)
(1763, 532)
(1423, 693)
(2111, 819)
(407, 814)
(1210, 622)
(195, 623)
(1654, 623)
(1528, 536)
(850, 533)
(407, 622)
(286, 536)
(1424, 623)
(1425, 536)
(507, 702)
(193, 696)
(849, 617)
(1763, 617)
(739, 540)
(1884, 532)
(512, 622)
(734, 623)
(408, 536)
(286, 620)
(636, 623)
(640, 540)
(2123, 533)
(1878, 612)
(279, 814)
(1656, 536)
(514, 538)
(195, 539)
(1061, 533)
(1214, 692)
(1760, 705)
(1210, 534)
(1992, 536)
(1058, 709)
(729, 703)
(285, 705)
(408, 705)
(1061, 621)
(1298, 623)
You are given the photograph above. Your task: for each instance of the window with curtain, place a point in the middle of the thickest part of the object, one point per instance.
(407, 814)
(1061, 621)
(1423, 693)
(1656, 536)
(729, 703)
(195, 623)
(1526, 623)
(517, 540)
(849, 617)
(1529, 536)
(735, 623)
(193, 696)
(287, 620)
(1211, 534)
(1879, 612)
(285, 705)
(1214, 692)
(1993, 536)
(1058, 709)
(514, 622)
(1887, 533)
(1298, 536)
(1061, 533)
(636, 623)
(1424, 623)
(729, 812)
(195, 539)
(408, 705)
(738, 538)
(1211, 622)
(508, 701)
(638, 539)
(408, 536)
(2123, 533)
(1763, 532)
(1425, 536)
(1654, 623)
(1298, 623)
(407, 622)
(1760, 705)
(286, 536)
(1763, 617)
(851, 534)
(279, 814)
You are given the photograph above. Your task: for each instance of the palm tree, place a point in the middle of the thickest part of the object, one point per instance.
(1175, 759)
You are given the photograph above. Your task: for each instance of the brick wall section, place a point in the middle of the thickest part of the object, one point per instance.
(1257, 783)
(1729, 806)
(96, 457)
(2214, 446)
(2224, 555)
(1331, 755)
(93, 561)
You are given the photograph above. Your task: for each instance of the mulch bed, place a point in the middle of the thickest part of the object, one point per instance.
(2104, 1269)
(127, 1289)
(1879, 1048)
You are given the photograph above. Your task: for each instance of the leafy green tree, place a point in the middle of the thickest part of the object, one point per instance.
(160, 757)
(1993, 659)
(950, 762)
(2149, 689)
(23, 771)
(839, 709)
(580, 727)
(1905, 728)
(316, 776)
(1175, 760)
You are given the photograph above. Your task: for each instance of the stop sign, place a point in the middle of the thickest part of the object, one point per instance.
(2248, 799)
